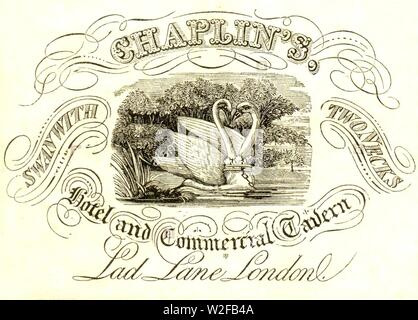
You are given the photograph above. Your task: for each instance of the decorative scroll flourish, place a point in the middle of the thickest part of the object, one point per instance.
(340, 209)
(77, 123)
(220, 57)
(186, 242)
(74, 61)
(84, 188)
(193, 233)
(83, 200)
(352, 58)
(348, 125)
(127, 225)
(355, 65)
(209, 40)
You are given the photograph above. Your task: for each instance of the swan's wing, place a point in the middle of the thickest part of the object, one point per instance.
(173, 165)
(203, 160)
(209, 132)
(203, 129)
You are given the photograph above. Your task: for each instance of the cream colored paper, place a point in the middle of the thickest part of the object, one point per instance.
(377, 256)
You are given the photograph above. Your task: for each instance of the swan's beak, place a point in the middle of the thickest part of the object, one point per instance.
(235, 114)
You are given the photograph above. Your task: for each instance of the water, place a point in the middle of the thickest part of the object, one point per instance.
(274, 186)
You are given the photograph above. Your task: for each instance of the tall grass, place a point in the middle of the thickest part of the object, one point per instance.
(133, 176)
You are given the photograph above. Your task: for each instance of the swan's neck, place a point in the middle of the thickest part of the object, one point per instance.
(224, 136)
(250, 139)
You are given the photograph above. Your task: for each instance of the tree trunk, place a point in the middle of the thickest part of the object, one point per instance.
(291, 167)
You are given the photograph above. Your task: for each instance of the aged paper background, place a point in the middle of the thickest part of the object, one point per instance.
(35, 263)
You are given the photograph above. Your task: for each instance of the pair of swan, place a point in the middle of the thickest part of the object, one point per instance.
(209, 155)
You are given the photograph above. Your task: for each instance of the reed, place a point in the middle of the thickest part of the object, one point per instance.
(133, 177)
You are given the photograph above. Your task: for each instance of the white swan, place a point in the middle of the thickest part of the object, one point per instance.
(201, 148)
(246, 147)
(210, 154)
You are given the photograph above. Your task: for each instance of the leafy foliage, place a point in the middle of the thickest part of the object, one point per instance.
(137, 107)
(141, 117)
(281, 135)
(263, 94)
(193, 99)
(291, 157)
(293, 140)
(274, 156)
(141, 138)
(134, 181)
(270, 157)
(132, 177)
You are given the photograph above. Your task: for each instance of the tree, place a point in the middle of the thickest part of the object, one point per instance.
(292, 157)
(279, 134)
(140, 117)
(273, 156)
(263, 94)
(193, 99)
(292, 140)
(270, 157)
(140, 137)
(135, 106)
